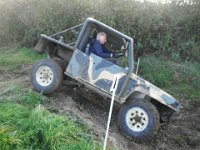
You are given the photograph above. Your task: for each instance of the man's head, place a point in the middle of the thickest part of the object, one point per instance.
(101, 37)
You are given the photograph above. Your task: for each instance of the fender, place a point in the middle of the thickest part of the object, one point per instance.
(144, 88)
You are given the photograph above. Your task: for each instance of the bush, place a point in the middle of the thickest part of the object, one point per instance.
(156, 71)
(170, 29)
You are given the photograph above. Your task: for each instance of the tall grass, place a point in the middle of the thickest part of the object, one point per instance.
(26, 124)
(170, 29)
(19, 94)
(180, 79)
(22, 128)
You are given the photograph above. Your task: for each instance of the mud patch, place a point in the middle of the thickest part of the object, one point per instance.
(183, 132)
(10, 76)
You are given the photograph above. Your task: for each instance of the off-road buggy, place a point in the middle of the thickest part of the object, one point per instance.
(143, 106)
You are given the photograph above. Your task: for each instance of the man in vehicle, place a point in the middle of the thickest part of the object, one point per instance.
(99, 47)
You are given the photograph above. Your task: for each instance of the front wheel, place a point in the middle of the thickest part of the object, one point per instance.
(139, 119)
(46, 76)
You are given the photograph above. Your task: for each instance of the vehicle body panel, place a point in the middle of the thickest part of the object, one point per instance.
(95, 70)
(152, 91)
(100, 72)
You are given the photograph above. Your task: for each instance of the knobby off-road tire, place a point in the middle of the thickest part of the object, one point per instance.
(139, 119)
(46, 76)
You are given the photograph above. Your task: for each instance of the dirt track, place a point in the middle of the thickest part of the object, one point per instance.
(183, 133)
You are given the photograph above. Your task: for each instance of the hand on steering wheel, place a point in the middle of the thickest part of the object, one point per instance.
(119, 54)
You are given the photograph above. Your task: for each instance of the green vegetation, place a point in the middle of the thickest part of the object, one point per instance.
(14, 56)
(170, 29)
(180, 79)
(26, 124)
(22, 128)
(18, 94)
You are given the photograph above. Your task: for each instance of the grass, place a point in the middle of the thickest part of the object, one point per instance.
(26, 124)
(14, 56)
(179, 79)
(21, 95)
(23, 128)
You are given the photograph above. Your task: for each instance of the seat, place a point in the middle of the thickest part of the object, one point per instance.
(89, 46)
(90, 42)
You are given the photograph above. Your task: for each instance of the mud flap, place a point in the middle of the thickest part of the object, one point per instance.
(41, 46)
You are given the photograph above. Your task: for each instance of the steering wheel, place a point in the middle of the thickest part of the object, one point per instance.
(114, 60)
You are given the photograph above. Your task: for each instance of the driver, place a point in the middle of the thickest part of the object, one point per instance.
(99, 48)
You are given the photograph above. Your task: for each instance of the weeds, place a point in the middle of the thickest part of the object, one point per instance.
(178, 79)
(170, 29)
(22, 128)
(8, 137)
(18, 94)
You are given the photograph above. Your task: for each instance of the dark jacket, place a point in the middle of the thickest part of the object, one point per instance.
(100, 50)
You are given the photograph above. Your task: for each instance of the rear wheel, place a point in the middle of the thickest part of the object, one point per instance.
(46, 76)
(139, 119)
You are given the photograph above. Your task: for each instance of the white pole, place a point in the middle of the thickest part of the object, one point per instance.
(113, 90)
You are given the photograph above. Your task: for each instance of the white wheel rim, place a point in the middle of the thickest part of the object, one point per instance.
(137, 119)
(44, 75)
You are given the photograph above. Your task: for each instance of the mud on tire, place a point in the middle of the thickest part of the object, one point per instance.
(139, 119)
(46, 76)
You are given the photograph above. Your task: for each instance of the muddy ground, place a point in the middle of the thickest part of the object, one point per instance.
(183, 133)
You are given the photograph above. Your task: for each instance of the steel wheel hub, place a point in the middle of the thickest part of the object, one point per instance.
(44, 75)
(137, 119)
